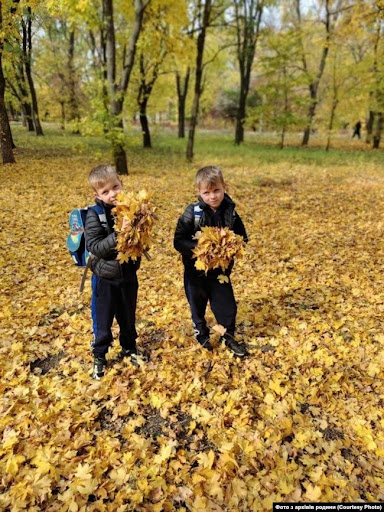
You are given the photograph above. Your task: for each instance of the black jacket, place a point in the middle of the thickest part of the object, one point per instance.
(225, 216)
(101, 241)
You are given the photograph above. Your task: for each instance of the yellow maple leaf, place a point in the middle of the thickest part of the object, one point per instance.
(214, 487)
(313, 493)
(165, 453)
(200, 414)
(83, 472)
(269, 398)
(223, 278)
(13, 463)
(373, 369)
(200, 265)
(220, 329)
(239, 488)
(206, 460)
(43, 465)
(119, 475)
(10, 438)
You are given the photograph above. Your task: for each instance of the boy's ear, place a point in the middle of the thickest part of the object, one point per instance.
(95, 194)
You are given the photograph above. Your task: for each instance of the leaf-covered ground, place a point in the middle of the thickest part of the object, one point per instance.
(300, 420)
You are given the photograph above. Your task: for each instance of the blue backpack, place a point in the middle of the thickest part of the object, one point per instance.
(76, 243)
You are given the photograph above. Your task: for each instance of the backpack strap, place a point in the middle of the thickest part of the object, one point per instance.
(100, 212)
(198, 214)
(84, 276)
(103, 220)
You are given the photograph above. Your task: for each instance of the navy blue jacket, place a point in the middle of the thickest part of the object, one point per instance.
(101, 240)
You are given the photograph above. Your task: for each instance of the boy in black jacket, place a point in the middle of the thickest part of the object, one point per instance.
(215, 208)
(114, 285)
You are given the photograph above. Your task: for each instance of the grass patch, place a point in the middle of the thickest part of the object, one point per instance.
(210, 147)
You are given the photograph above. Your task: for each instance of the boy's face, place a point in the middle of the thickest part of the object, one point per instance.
(212, 195)
(109, 190)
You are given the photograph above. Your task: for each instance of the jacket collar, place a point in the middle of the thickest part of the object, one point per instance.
(105, 206)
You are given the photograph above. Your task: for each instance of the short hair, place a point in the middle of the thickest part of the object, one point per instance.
(210, 175)
(99, 175)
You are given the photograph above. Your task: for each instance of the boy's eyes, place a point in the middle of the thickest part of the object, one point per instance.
(104, 192)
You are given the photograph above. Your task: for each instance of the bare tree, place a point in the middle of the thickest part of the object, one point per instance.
(149, 72)
(19, 89)
(26, 25)
(204, 9)
(117, 89)
(182, 84)
(314, 79)
(73, 104)
(247, 19)
(378, 113)
(5, 129)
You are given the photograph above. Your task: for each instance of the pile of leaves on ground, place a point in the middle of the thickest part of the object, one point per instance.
(301, 419)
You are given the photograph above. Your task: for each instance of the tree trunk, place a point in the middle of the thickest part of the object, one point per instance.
(377, 129)
(240, 116)
(5, 129)
(310, 116)
(99, 62)
(5, 134)
(198, 79)
(144, 124)
(182, 91)
(62, 110)
(118, 149)
(286, 109)
(369, 126)
(28, 71)
(335, 102)
(73, 106)
(248, 14)
(117, 92)
(28, 116)
(379, 97)
(12, 112)
(314, 82)
(21, 93)
(120, 158)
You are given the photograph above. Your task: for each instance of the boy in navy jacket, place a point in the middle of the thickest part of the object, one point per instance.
(114, 285)
(214, 208)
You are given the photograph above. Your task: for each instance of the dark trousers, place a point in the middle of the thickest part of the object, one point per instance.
(201, 289)
(109, 300)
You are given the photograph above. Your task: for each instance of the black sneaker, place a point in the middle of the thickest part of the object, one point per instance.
(239, 349)
(205, 343)
(124, 352)
(99, 365)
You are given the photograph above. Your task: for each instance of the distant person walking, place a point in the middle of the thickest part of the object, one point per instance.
(357, 130)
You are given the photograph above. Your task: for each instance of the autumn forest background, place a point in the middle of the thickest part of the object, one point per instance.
(271, 91)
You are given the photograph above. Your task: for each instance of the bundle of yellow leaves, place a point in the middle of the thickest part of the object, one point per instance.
(216, 248)
(134, 218)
